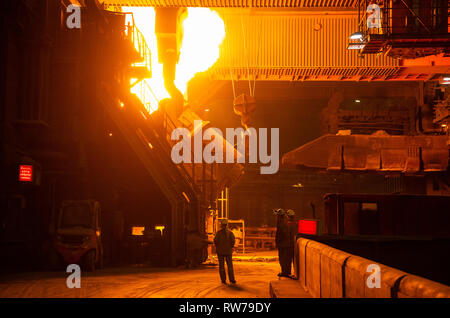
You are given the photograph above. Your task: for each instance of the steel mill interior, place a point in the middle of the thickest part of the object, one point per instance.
(146, 143)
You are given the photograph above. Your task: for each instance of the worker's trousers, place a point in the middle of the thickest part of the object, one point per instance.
(285, 256)
(229, 260)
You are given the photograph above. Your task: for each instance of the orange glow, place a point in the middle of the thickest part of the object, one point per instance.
(137, 230)
(186, 197)
(160, 228)
(203, 33)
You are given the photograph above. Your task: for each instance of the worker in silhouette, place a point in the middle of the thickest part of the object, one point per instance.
(282, 242)
(285, 240)
(224, 242)
(293, 231)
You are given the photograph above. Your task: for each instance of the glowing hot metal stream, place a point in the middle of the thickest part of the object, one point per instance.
(203, 33)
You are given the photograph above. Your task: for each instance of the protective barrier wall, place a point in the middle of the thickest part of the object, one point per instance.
(326, 272)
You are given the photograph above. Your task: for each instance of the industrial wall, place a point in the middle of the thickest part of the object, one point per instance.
(294, 45)
(255, 196)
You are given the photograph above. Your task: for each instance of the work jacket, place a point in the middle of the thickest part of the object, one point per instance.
(282, 237)
(293, 231)
(224, 241)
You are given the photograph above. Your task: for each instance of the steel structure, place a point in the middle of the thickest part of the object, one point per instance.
(307, 43)
(405, 28)
(305, 46)
(377, 152)
(236, 4)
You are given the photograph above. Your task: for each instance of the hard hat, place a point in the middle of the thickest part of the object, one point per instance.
(290, 212)
(279, 212)
(224, 221)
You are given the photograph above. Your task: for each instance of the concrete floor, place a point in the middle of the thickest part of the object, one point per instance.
(142, 281)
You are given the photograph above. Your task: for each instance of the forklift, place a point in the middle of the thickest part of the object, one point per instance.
(78, 237)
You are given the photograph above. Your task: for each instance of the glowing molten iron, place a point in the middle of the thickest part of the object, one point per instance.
(204, 31)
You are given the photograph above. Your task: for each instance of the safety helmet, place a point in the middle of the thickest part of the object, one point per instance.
(279, 212)
(224, 221)
(290, 212)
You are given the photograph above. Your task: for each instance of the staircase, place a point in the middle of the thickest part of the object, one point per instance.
(148, 137)
(191, 189)
(375, 44)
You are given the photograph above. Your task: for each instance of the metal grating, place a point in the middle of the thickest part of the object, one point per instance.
(311, 74)
(237, 3)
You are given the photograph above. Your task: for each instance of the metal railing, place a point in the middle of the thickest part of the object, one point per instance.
(133, 34)
(141, 87)
(405, 17)
(146, 95)
(151, 103)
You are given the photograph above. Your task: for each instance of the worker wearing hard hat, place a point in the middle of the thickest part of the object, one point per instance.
(285, 240)
(293, 231)
(282, 241)
(224, 242)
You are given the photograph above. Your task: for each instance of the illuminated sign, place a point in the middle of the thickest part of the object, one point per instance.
(307, 227)
(26, 173)
(160, 228)
(356, 46)
(137, 230)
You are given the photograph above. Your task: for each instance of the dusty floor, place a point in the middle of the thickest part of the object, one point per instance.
(141, 281)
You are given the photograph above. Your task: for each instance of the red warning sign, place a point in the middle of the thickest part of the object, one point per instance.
(26, 173)
(307, 227)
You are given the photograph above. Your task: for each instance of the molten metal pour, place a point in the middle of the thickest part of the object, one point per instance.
(169, 34)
